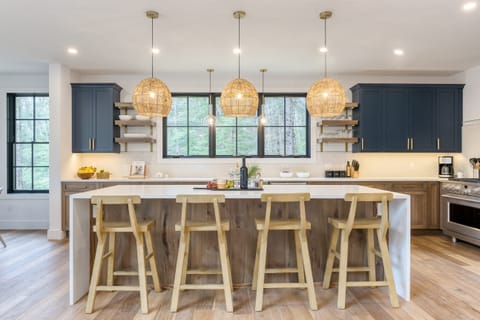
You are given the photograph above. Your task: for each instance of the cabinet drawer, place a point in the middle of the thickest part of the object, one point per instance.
(79, 186)
(409, 187)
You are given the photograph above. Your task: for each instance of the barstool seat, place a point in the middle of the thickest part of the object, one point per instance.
(379, 225)
(141, 230)
(299, 227)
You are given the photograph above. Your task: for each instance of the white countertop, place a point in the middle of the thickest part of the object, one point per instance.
(171, 191)
(267, 179)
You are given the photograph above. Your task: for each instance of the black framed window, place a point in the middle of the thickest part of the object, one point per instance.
(186, 132)
(28, 143)
(286, 132)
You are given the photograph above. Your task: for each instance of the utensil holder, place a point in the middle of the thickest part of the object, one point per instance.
(355, 173)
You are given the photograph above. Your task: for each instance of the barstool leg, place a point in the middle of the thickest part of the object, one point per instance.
(261, 270)
(298, 252)
(371, 256)
(227, 282)
(97, 267)
(257, 255)
(387, 267)
(142, 275)
(153, 262)
(178, 272)
(111, 258)
(342, 276)
(327, 277)
(187, 255)
(312, 299)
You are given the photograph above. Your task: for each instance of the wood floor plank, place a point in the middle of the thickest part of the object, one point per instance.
(34, 285)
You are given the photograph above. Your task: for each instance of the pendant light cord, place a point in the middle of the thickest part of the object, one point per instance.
(239, 49)
(210, 87)
(263, 90)
(152, 47)
(325, 45)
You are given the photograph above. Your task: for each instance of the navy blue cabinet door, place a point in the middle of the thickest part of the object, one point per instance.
(396, 119)
(83, 103)
(370, 117)
(449, 119)
(422, 119)
(93, 116)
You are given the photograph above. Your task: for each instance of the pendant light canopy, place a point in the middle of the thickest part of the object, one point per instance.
(151, 96)
(239, 97)
(211, 117)
(263, 119)
(326, 97)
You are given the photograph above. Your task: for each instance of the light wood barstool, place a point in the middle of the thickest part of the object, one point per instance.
(186, 227)
(141, 232)
(299, 227)
(380, 225)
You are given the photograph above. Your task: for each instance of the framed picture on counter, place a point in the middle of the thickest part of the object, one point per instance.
(138, 169)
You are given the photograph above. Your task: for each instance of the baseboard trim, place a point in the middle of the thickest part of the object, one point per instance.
(24, 224)
(55, 234)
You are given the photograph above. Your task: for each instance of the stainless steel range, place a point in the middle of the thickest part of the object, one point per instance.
(460, 209)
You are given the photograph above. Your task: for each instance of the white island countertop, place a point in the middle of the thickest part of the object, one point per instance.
(174, 180)
(80, 229)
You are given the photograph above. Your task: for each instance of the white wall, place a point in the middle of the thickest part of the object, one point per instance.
(471, 119)
(19, 211)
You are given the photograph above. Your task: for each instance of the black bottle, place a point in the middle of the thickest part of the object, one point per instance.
(243, 175)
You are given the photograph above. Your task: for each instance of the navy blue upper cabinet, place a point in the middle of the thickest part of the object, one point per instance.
(93, 116)
(408, 117)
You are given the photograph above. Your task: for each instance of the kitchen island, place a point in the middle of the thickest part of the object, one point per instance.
(241, 207)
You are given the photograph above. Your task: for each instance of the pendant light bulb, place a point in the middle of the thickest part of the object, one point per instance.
(263, 118)
(211, 117)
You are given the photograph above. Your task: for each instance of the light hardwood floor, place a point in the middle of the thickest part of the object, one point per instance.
(34, 285)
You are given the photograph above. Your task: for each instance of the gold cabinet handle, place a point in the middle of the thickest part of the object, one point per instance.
(408, 143)
(438, 143)
(89, 143)
(93, 144)
(363, 144)
(411, 144)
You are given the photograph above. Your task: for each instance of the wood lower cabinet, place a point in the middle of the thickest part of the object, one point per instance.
(69, 188)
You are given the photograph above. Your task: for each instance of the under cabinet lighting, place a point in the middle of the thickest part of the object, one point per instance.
(323, 49)
(398, 52)
(155, 50)
(72, 51)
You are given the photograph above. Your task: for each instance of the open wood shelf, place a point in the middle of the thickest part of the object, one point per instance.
(124, 105)
(135, 140)
(338, 140)
(351, 105)
(135, 123)
(338, 123)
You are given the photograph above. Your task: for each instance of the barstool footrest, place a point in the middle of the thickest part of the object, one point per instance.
(353, 269)
(117, 288)
(367, 283)
(129, 273)
(278, 285)
(203, 271)
(281, 270)
(202, 286)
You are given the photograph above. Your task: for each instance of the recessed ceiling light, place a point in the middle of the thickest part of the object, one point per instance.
(155, 50)
(72, 50)
(323, 49)
(398, 52)
(469, 5)
(237, 50)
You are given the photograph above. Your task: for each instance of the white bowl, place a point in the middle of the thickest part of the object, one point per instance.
(303, 174)
(125, 117)
(140, 117)
(286, 174)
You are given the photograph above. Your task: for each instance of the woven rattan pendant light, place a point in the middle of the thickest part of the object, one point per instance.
(151, 96)
(326, 97)
(239, 97)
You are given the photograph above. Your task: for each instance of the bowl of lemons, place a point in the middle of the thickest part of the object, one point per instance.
(86, 172)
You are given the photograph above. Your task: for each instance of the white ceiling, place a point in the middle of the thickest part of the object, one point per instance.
(113, 36)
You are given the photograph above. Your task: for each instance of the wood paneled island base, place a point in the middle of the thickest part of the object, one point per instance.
(241, 208)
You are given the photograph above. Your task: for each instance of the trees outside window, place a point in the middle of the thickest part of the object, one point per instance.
(186, 132)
